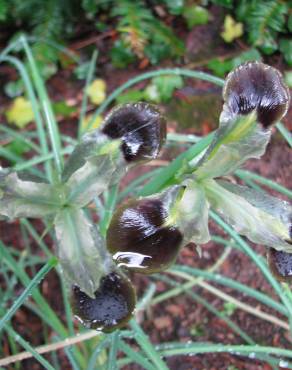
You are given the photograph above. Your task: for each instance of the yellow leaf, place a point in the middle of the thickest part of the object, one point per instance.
(20, 112)
(232, 29)
(96, 91)
(96, 123)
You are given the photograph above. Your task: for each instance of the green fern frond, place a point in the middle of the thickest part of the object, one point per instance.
(264, 20)
(146, 35)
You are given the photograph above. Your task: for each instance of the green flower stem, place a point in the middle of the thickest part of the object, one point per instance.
(33, 283)
(166, 175)
(147, 346)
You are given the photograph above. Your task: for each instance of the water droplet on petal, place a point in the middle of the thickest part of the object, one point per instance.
(112, 306)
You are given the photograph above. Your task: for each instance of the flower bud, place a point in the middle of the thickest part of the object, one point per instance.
(280, 264)
(141, 236)
(112, 306)
(255, 86)
(141, 128)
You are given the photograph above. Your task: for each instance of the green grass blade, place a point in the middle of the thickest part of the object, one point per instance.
(26, 165)
(19, 136)
(18, 338)
(254, 257)
(46, 106)
(285, 133)
(220, 279)
(7, 154)
(89, 78)
(51, 318)
(108, 209)
(135, 356)
(33, 283)
(147, 346)
(175, 349)
(112, 358)
(244, 174)
(99, 348)
(185, 288)
(35, 106)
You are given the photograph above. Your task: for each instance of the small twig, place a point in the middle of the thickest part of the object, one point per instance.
(92, 40)
(49, 347)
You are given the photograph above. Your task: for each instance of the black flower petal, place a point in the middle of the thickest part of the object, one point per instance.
(112, 306)
(280, 264)
(139, 238)
(254, 85)
(140, 126)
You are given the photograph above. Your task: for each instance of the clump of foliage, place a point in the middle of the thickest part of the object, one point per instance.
(267, 24)
(143, 33)
(112, 303)
(147, 234)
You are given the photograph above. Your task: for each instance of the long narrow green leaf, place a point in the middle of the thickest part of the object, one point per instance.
(18, 338)
(135, 356)
(285, 133)
(244, 174)
(147, 346)
(46, 106)
(254, 257)
(33, 283)
(85, 96)
(175, 349)
(99, 348)
(220, 279)
(35, 106)
(112, 359)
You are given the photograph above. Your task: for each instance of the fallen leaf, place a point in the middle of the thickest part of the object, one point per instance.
(96, 91)
(20, 112)
(232, 29)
